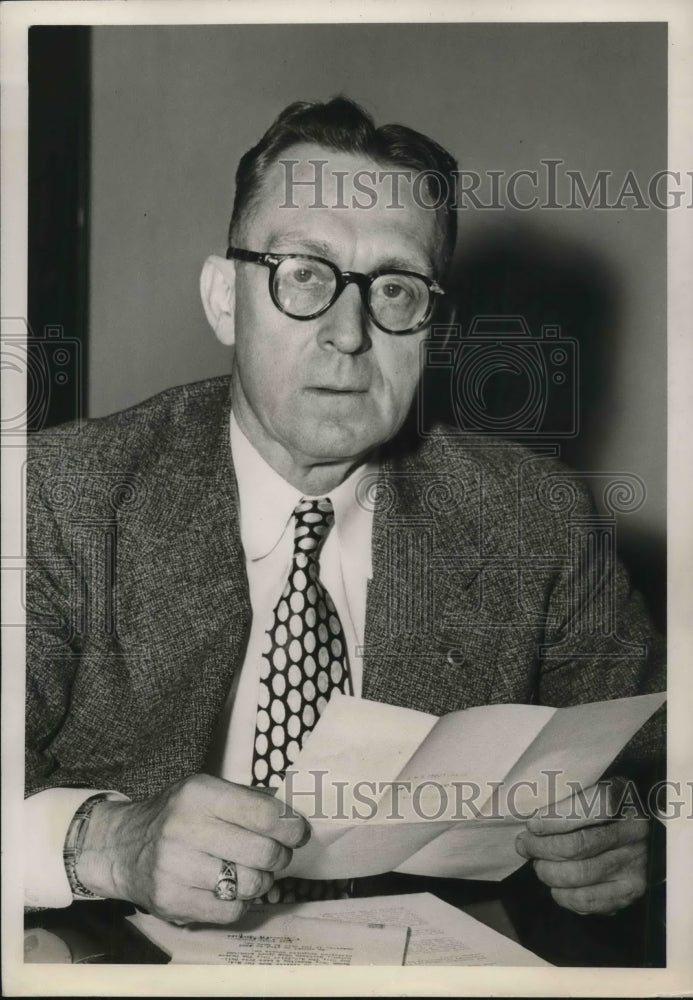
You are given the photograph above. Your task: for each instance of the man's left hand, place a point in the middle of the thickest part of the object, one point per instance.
(591, 865)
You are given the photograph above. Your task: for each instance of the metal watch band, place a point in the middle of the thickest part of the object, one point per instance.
(74, 841)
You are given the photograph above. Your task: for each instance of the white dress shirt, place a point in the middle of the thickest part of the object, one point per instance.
(267, 503)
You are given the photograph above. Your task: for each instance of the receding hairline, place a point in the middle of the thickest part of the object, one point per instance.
(249, 211)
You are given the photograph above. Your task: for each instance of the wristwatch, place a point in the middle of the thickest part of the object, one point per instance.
(74, 840)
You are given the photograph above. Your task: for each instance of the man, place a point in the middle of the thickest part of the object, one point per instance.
(208, 567)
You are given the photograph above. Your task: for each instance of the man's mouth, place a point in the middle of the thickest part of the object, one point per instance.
(337, 389)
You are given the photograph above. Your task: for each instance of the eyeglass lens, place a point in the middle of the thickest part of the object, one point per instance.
(303, 287)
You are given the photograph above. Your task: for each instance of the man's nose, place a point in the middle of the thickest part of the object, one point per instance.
(345, 324)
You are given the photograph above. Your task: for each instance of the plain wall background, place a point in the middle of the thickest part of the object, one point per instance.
(173, 108)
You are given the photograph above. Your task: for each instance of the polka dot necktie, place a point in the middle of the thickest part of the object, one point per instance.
(304, 660)
(304, 657)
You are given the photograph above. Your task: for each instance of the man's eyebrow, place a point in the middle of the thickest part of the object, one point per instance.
(297, 239)
(419, 264)
(309, 244)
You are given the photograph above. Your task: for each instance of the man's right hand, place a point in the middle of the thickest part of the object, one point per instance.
(165, 853)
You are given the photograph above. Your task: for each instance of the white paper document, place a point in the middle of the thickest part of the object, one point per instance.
(278, 935)
(439, 934)
(414, 929)
(391, 789)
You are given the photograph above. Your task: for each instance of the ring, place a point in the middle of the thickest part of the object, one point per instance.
(226, 887)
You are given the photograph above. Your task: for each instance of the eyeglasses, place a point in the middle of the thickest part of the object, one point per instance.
(304, 287)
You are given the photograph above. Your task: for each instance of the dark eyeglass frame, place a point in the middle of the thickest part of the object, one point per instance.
(342, 279)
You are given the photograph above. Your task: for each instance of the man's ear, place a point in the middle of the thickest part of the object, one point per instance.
(218, 291)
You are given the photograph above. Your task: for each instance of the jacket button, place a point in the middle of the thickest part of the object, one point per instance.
(456, 658)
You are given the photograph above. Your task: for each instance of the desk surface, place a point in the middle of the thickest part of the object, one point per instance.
(519, 907)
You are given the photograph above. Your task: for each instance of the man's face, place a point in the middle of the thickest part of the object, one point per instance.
(330, 389)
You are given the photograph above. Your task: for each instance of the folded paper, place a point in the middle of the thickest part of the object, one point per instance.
(391, 789)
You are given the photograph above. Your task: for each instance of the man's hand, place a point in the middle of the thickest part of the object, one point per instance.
(592, 864)
(165, 853)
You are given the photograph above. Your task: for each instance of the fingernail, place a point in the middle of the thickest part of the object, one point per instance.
(520, 846)
(305, 838)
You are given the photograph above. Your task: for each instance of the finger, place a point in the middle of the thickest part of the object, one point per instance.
(223, 840)
(583, 842)
(202, 906)
(603, 899)
(257, 811)
(590, 806)
(587, 806)
(250, 882)
(606, 867)
(183, 868)
(184, 905)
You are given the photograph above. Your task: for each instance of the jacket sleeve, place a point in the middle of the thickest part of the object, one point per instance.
(52, 645)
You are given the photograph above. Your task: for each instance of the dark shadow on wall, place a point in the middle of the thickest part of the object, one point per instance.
(58, 223)
(531, 356)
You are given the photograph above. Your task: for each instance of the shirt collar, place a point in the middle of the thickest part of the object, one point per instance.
(267, 501)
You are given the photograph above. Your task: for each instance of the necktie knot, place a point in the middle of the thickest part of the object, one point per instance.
(314, 518)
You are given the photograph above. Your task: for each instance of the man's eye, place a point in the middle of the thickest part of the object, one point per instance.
(394, 291)
(303, 275)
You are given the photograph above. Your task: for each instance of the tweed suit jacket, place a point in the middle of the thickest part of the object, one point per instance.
(493, 581)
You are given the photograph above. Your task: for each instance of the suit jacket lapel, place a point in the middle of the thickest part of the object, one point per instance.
(192, 585)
